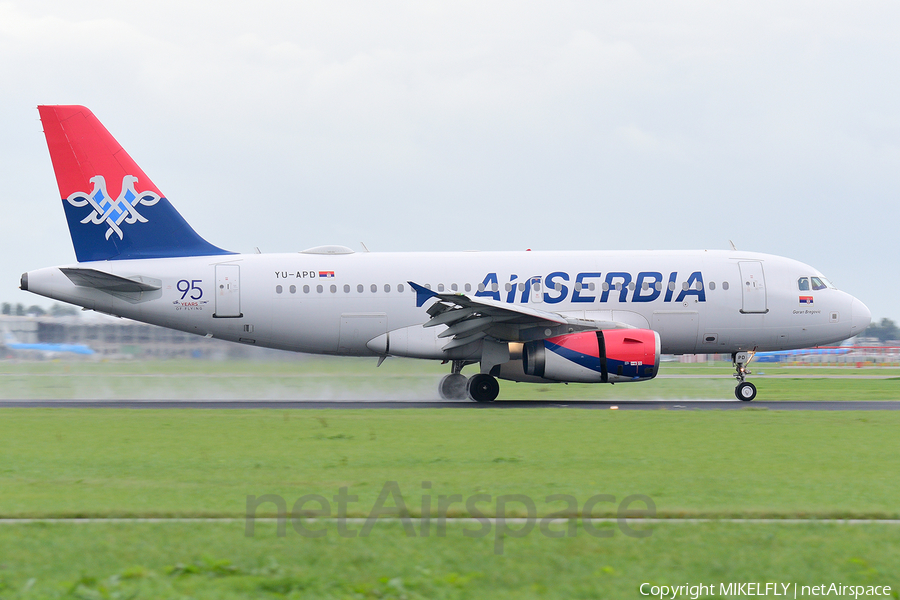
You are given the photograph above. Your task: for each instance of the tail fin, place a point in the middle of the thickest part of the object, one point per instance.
(108, 217)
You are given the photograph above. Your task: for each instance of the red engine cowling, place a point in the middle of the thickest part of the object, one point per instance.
(609, 356)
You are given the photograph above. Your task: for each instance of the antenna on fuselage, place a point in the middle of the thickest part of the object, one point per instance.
(733, 247)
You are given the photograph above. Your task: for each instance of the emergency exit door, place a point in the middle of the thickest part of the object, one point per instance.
(228, 291)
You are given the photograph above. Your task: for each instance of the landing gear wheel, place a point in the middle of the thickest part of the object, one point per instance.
(745, 391)
(453, 386)
(483, 388)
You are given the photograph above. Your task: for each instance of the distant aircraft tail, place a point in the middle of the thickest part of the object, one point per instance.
(113, 209)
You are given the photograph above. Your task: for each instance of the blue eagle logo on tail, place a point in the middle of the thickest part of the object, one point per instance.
(114, 212)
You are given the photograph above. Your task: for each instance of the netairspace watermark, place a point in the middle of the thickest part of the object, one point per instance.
(311, 514)
(782, 590)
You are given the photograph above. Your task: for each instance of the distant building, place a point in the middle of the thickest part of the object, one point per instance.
(113, 338)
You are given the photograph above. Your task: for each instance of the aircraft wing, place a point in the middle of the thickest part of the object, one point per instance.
(470, 319)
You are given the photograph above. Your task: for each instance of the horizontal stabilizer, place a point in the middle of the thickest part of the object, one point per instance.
(107, 282)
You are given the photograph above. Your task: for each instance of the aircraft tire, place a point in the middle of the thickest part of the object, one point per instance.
(453, 387)
(483, 388)
(745, 391)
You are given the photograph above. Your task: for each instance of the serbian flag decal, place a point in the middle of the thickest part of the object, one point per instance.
(806, 299)
(326, 274)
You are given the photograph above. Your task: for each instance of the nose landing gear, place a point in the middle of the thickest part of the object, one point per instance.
(745, 391)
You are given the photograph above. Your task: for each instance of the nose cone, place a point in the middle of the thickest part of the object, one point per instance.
(860, 317)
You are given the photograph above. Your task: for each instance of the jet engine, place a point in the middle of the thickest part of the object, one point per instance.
(609, 356)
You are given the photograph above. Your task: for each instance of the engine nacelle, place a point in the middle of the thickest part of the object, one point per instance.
(609, 356)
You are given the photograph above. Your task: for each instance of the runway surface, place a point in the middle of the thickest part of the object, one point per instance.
(461, 404)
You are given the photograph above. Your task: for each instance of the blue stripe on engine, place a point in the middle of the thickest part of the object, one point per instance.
(579, 358)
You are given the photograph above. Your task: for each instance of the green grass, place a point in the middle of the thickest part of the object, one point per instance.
(745, 463)
(216, 561)
(104, 462)
(323, 378)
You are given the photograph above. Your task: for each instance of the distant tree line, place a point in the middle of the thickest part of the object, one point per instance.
(20, 310)
(884, 332)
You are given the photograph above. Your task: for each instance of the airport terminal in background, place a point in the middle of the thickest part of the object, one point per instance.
(113, 338)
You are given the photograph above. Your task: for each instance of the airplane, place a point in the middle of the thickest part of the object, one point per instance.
(12, 343)
(846, 347)
(785, 355)
(547, 317)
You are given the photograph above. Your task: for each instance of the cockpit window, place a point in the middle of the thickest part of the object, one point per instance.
(803, 283)
(818, 284)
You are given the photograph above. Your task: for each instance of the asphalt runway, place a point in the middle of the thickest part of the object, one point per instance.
(461, 404)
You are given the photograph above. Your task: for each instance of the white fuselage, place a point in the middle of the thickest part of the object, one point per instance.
(361, 304)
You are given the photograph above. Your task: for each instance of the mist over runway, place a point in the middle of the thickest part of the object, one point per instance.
(810, 405)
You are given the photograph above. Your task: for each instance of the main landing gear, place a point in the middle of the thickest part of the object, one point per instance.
(481, 387)
(745, 391)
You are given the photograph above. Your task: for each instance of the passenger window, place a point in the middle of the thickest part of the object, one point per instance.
(399, 287)
(305, 289)
(453, 287)
(440, 287)
(346, 288)
(278, 289)
(374, 288)
(360, 288)
(818, 284)
(468, 287)
(725, 285)
(803, 284)
(387, 287)
(712, 285)
(319, 289)
(333, 289)
(293, 289)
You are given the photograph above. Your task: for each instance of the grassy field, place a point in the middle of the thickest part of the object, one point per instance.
(113, 463)
(103, 462)
(205, 463)
(215, 561)
(324, 378)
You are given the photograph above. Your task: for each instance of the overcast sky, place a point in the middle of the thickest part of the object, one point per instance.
(419, 126)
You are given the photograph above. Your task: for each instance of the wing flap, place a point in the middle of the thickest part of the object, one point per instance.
(469, 320)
